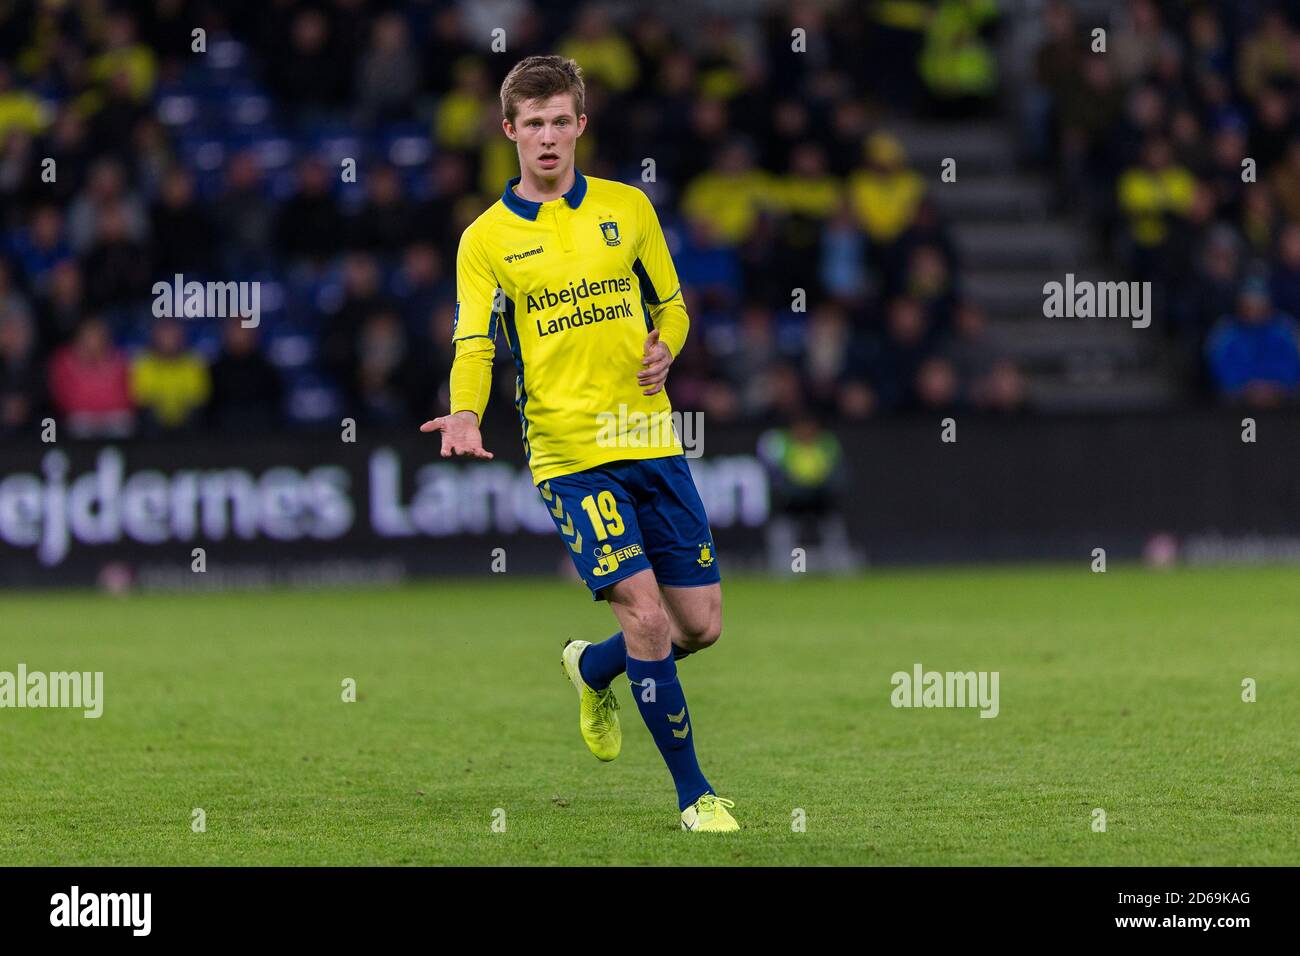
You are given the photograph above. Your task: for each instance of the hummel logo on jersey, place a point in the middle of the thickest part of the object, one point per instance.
(514, 256)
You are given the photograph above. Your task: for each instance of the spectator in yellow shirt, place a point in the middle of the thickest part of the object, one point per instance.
(459, 123)
(124, 54)
(19, 109)
(1266, 55)
(729, 197)
(169, 384)
(808, 189)
(605, 56)
(807, 197)
(1150, 194)
(886, 194)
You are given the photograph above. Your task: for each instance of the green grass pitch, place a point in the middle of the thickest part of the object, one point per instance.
(1119, 691)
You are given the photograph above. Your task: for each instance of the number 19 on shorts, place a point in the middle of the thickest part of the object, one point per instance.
(602, 509)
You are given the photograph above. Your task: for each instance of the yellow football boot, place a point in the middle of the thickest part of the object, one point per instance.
(597, 709)
(709, 815)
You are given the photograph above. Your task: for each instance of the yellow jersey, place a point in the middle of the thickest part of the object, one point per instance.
(172, 387)
(574, 285)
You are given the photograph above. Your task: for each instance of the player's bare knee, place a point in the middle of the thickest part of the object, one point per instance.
(711, 634)
(646, 631)
(651, 622)
(703, 636)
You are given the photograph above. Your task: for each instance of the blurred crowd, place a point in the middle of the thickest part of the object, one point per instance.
(1181, 144)
(334, 151)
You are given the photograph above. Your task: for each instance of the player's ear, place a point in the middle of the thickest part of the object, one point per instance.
(582, 123)
(507, 128)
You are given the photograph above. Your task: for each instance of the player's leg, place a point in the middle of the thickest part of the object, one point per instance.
(597, 516)
(675, 535)
(696, 615)
(679, 542)
(606, 520)
(695, 622)
(652, 674)
(646, 627)
(596, 520)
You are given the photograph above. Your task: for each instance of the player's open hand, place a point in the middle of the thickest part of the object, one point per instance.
(460, 435)
(654, 365)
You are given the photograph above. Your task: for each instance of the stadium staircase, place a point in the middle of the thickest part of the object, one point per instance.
(1010, 242)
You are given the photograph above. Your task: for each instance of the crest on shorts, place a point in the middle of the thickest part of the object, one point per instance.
(610, 231)
(705, 560)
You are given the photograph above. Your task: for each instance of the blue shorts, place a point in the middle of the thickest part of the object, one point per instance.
(630, 516)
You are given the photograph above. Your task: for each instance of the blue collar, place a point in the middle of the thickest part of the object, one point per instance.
(527, 209)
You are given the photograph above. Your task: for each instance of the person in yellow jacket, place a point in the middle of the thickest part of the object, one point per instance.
(168, 383)
(886, 194)
(731, 196)
(19, 109)
(956, 63)
(1154, 192)
(606, 56)
(808, 190)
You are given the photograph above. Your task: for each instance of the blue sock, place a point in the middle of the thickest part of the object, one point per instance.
(663, 708)
(601, 663)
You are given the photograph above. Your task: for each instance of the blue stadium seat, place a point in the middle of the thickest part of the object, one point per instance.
(203, 153)
(273, 149)
(178, 111)
(415, 183)
(291, 349)
(226, 63)
(407, 145)
(245, 110)
(310, 398)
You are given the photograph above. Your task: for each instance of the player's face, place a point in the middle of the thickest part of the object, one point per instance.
(547, 132)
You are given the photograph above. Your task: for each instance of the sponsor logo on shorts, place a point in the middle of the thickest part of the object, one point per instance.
(608, 559)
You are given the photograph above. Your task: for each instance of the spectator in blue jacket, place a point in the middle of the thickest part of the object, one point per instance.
(1254, 354)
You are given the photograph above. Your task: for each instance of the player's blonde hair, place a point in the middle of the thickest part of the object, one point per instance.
(540, 78)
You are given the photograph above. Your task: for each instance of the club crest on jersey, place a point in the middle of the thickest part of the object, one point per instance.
(705, 560)
(610, 231)
(608, 559)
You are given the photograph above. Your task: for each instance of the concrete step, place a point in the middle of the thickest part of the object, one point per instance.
(978, 147)
(1075, 347)
(1137, 391)
(1018, 293)
(1050, 245)
(1010, 244)
(993, 198)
